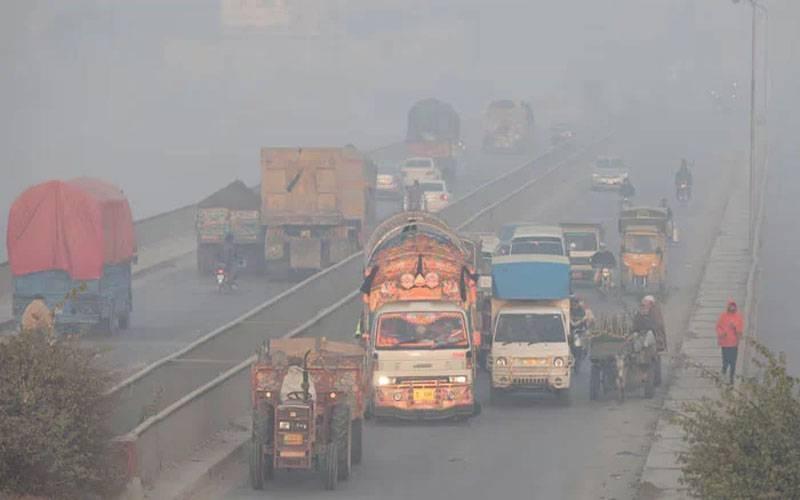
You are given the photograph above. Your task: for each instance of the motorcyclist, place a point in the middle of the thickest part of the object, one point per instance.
(415, 194)
(602, 259)
(229, 258)
(683, 176)
(627, 190)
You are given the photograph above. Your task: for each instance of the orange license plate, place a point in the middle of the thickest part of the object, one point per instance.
(293, 439)
(427, 395)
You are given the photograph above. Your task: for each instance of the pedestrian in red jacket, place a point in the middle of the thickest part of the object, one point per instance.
(730, 327)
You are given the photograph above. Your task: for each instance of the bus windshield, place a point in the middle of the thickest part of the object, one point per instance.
(421, 330)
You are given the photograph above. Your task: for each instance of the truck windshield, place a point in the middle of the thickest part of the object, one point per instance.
(537, 245)
(530, 328)
(640, 243)
(581, 242)
(421, 330)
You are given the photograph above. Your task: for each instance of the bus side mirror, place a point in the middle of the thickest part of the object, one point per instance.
(476, 338)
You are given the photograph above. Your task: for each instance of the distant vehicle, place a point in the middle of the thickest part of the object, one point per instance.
(505, 235)
(436, 195)
(389, 196)
(419, 169)
(583, 241)
(387, 183)
(72, 244)
(609, 173)
(434, 131)
(235, 210)
(561, 133)
(317, 204)
(538, 240)
(508, 127)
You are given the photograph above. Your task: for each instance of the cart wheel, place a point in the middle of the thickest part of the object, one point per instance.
(357, 430)
(342, 434)
(657, 378)
(329, 466)
(595, 383)
(650, 382)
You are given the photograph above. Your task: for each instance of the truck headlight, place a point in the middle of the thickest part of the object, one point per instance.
(558, 362)
(501, 361)
(384, 380)
(458, 379)
(284, 425)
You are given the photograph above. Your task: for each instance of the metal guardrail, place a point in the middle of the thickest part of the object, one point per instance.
(206, 408)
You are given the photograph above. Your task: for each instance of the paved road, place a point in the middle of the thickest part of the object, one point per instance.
(175, 306)
(538, 447)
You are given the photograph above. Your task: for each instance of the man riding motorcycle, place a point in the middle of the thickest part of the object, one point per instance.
(602, 259)
(581, 318)
(229, 257)
(683, 180)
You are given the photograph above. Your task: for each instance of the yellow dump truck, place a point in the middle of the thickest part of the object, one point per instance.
(316, 204)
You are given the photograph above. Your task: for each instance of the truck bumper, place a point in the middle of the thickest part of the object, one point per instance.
(552, 380)
(451, 400)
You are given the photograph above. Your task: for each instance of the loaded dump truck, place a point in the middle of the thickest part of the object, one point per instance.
(316, 205)
(72, 243)
(234, 210)
(531, 324)
(434, 131)
(308, 408)
(419, 294)
(508, 127)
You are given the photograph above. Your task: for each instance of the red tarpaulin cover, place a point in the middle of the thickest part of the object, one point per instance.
(76, 226)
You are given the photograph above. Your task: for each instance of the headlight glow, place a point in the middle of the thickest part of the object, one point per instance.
(284, 426)
(501, 361)
(384, 380)
(558, 362)
(458, 379)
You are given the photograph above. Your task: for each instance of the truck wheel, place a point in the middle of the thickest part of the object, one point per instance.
(657, 378)
(342, 433)
(595, 382)
(328, 466)
(124, 320)
(650, 382)
(256, 465)
(357, 429)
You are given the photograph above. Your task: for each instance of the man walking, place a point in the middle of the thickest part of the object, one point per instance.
(730, 327)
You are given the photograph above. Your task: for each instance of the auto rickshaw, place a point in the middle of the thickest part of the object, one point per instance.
(643, 256)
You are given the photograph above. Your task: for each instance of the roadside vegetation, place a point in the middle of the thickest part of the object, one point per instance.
(746, 444)
(55, 441)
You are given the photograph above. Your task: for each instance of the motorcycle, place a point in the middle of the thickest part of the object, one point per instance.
(606, 281)
(579, 343)
(225, 282)
(683, 193)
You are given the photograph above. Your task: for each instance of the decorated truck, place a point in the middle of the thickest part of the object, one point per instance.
(420, 317)
(72, 243)
(234, 210)
(530, 324)
(434, 131)
(308, 408)
(508, 127)
(316, 205)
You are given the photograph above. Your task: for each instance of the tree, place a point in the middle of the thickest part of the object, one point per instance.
(54, 435)
(746, 444)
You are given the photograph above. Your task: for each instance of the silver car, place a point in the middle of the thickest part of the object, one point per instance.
(608, 174)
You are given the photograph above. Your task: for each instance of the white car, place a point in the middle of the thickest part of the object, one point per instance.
(436, 195)
(609, 173)
(419, 169)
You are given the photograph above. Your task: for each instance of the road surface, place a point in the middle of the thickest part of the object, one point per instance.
(539, 447)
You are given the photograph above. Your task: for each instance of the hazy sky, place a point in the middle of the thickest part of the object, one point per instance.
(164, 99)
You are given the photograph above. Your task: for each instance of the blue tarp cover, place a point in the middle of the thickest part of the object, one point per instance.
(530, 277)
